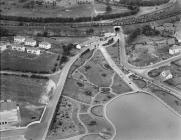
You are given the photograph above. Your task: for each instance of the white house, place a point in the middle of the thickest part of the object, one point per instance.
(18, 47)
(33, 50)
(166, 75)
(3, 46)
(78, 46)
(45, 45)
(175, 49)
(19, 39)
(9, 113)
(30, 42)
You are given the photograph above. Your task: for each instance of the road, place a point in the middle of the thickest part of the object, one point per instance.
(143, 71)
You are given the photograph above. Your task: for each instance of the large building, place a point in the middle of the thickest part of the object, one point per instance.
(9, 113)
(175, 49)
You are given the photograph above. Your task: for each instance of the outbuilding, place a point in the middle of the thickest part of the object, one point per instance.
(45, 45)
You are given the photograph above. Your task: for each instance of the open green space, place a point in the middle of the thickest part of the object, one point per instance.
(20, 89)
(21, 61)
(97, 125)
(98, 110)
(79, 90)
(119, 86)
(26, 92)
(96, 72)
(102, 97)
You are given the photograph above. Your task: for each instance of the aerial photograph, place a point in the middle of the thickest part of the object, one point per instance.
(90, 69)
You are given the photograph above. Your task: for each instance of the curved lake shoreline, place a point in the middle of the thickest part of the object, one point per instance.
(141, 116)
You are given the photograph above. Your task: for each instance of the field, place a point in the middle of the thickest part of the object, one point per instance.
(119, 86)
(96, 72)
(139, 82)
(79, 90)
(20, 61)
(31, 9)
(175, 69)
(26, 92)
(97, 125)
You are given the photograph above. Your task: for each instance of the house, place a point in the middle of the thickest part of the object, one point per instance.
(78, 46)
(19, 39)
(33, 50)
(45, 45)
(178, 36)
(18, 47)
(30, 42)
(175, 49)
(9, 113)
(3, 46)
(166, 75)
(159, 28)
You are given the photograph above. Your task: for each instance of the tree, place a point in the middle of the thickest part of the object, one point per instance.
(108, 8)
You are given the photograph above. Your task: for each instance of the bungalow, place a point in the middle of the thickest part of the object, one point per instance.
(9, 113)
(30, 42)
(33, 50)
(166, 75)
(178, 36)
(45, 45)
(18, 47)
(175, 49)
(19, 39)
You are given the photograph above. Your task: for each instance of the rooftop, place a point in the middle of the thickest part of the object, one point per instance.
(7, 106)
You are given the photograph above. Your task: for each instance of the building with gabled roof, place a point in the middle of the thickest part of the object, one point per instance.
(166, 75)
(30, 42)
(18, 47)
(19, 39)
(175, 49)
(44, 45)
(33, 50)
(9, 113)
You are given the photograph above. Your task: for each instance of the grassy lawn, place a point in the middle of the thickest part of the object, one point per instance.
(175, 69)
(102, 98)
(20, 61)
(119, 86)
(79, 62)
(97, 110)
(79, 90)
(65, 123)
(97, 125)
(96, 72)
(29, 115)
(27, 93)
(22, 89)
(16, 8)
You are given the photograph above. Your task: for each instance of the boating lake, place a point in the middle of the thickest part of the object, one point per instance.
(141, 116)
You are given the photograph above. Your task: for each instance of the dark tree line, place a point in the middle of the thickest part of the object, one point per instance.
(134, 10)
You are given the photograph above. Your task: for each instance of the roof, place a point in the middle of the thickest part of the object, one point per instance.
(7, 106)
